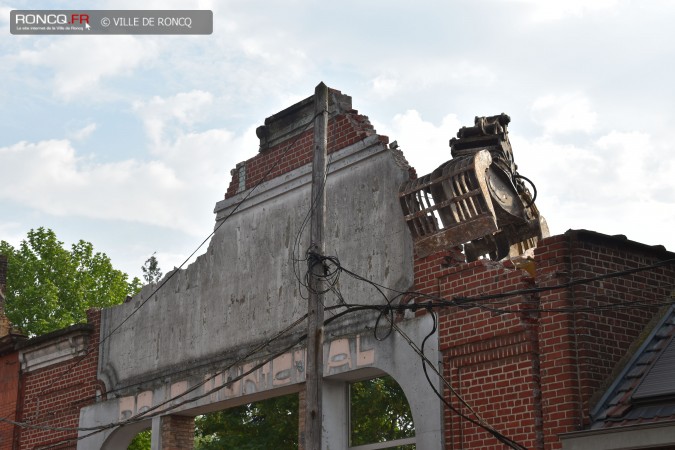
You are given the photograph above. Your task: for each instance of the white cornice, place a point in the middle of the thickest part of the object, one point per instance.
(53, 351)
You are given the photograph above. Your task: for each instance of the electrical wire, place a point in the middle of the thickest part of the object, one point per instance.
(388, 309)
(464, 302)
(295, 259)
(144, 415)
(478, 421)
(88, 352)
(332, 271)
(222, 222)
(472, 301)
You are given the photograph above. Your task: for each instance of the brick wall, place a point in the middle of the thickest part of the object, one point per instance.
(53, 396)
(533, 373)
(580, 351)
(178, 432)
(343, 130)
(5, 326)
(9, 369)
(3, 271)
(9, 392)
(488, 358)
(302, 408)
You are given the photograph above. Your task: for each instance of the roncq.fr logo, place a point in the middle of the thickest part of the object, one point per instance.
(51, 19)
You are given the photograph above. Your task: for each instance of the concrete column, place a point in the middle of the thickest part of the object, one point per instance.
(335, 414)
(156, 438)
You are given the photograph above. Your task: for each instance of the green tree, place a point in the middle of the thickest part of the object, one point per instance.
(379, 412)
(151, 270)
(141, 441)
(271, 423)
(50, 287)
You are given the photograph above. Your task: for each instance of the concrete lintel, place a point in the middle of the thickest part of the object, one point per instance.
(347, 358)
(301, 176)
(621, 438)
(62, 348)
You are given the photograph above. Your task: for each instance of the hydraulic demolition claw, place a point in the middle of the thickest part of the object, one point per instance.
(476, 200)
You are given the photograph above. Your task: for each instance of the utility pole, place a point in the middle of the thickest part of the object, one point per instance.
(314, 375)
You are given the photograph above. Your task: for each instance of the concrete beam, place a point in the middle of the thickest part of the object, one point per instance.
(622, 438)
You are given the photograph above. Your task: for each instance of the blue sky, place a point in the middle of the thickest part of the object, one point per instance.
(128, 141)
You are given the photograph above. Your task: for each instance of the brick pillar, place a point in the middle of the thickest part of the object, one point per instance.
(302, 405)
(558, 357)
(3, 271)
(5, 326)
(177, 433)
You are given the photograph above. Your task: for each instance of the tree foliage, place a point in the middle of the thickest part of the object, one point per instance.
(271, 423)
(151, 271)
(50, 287)
(379, 412)
(141, 441)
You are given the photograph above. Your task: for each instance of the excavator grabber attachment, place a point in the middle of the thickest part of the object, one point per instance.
(476, 200)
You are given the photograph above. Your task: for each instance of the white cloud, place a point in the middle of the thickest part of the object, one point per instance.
(384, 86)
(562, 171)
(172, 126)
(637, 163)
(12, 233)
(564, 113)
(175, 190)
(424, 74)
(425, 144)
(182, 109)
(79, 65)
(187, 172)
(254, 65)
(612, 185)
(471, 72)
(4, 17)
(548, 11)
(83, 133)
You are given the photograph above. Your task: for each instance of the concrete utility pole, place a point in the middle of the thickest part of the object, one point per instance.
(314, 375)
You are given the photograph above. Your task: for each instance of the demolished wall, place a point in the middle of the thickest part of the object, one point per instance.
(245, 288)
(534, 363)
(526, 366)
(229, 329)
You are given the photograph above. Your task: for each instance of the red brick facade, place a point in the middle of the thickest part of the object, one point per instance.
(343, 130)
(9, 398)
(9, 370)
(178, 432)
(52, 396)
(530, 365)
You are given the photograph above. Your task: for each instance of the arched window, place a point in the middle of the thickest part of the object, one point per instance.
(141, 441)
(379, 416)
